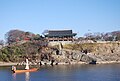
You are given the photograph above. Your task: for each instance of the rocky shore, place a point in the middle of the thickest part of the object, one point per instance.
(61, 54)
(107, 62)
(7, 63)
(62, 63)
(90, 53)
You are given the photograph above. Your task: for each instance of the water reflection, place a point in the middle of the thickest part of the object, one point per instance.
(18, 76)
(27, 76)
(14, 76)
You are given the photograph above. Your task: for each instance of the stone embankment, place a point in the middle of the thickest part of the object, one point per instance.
(88, 53)
(61, 55)
(73, 56)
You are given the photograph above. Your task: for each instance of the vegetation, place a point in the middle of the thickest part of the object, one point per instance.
(89, 47)
(17, 35)
(15, 53)
(109, 36)
(21, 44)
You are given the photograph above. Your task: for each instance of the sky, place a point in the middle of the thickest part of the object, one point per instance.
(81, 16)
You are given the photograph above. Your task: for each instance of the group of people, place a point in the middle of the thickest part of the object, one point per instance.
(27, 66)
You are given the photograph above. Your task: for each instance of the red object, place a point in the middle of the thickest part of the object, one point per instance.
(22, 71)
(26, 38)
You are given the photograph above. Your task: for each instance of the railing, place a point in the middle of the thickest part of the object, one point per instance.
(60, 39)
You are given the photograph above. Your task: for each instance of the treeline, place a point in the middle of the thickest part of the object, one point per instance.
(13, 36)
(18, 35)
(16, 49)
(34, 50)
(109, 36)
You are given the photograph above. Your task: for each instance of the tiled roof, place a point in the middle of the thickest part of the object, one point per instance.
(59, 33)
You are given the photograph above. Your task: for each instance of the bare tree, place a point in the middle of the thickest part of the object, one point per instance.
(88, 35)
(116, 35)
(13, 35)
(1, 42)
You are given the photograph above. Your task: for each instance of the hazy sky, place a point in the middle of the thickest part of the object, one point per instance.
(81, 16)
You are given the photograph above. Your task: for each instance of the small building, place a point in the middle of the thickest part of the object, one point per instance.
(59, 35)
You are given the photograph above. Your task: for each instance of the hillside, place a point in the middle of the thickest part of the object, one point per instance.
(18, 52)
(69, 53)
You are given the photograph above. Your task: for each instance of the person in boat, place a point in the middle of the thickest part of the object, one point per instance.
(27, 65)
(13, 68)
(25, 70)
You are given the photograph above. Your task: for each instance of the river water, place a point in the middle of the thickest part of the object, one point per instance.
(100, 72)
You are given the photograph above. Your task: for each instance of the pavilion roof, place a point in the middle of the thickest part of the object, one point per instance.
(59, 33)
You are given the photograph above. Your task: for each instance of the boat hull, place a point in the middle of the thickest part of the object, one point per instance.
(29, 70)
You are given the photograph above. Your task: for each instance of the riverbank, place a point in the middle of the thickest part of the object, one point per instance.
(7, 63)
(62, 63)
(102, 62)
(108, 62)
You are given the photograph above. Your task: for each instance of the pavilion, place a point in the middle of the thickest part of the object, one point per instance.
(59, 35)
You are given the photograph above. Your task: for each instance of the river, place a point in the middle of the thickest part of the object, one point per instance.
(100, 72)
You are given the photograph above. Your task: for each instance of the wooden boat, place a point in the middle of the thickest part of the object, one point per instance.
(25, 70)
(28, 70)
